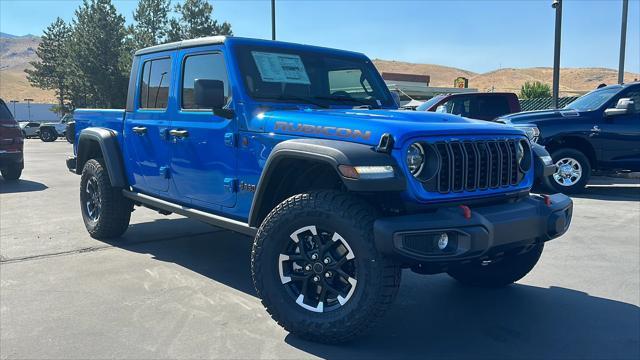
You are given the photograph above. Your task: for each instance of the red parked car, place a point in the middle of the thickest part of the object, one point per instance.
(481, 106)
(11, 145)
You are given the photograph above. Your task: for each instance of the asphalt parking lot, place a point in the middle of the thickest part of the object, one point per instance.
(176, 288)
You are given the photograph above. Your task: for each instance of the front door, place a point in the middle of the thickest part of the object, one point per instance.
(146, 127)
(203, 159)
(619, 135)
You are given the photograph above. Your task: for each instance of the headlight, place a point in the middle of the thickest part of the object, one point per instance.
(532, 133)
(523, 155)
(415, 158)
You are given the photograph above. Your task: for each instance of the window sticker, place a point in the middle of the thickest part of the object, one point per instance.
(284, 68)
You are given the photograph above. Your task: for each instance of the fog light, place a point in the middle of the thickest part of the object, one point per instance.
(443, 241)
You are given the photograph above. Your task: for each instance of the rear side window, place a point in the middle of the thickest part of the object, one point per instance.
(154, 87)
(490, 107)
(5, 114)
(202, 67)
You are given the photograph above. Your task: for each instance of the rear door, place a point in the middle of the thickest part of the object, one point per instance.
(203, 159)
(146, 128)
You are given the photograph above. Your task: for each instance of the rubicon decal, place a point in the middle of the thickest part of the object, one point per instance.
(323, 130)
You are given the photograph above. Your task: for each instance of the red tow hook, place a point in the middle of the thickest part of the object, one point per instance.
(547, 200)
(466, 211)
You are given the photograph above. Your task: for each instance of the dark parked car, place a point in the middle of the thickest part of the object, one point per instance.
(11, 145)
(481, 106)
(598, 132)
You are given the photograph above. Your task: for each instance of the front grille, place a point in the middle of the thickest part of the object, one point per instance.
(474, 165)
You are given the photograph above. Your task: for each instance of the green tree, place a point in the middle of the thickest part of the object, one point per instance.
(50, 70)
(151, 23)
(98, 55)
(195, 21)
(534, 90)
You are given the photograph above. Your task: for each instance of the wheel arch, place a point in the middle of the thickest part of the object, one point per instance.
(574, 142)
(299, 165)
(102, 143)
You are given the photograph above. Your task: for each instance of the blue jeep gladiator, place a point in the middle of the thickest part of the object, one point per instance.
(304, 148)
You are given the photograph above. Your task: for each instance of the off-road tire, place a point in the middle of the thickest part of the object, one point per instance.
(48, 135)
(503, 272)
(12, 172)
(115, 213)
(579, 186)
(378, 277)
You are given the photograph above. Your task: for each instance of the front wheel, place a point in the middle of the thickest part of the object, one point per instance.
(48, 135)
(507, 270)
(573, 171)
(106, 213)
(316, 269)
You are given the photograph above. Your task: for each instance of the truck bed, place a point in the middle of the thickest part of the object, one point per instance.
(112, 119)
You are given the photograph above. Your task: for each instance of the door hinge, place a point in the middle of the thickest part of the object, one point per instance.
(230, 139)
(231, 185)
(164, 172)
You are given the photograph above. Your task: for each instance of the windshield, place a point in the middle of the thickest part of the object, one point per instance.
(311, 77)
(429, 103)
(593, 100)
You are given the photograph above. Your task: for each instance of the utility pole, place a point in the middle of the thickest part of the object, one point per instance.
(14, 106)
(29, 107)
(623, 40)
(557, 4)
(273, 19)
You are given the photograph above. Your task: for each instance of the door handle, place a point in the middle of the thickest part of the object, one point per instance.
(140, 130)
(179, 133)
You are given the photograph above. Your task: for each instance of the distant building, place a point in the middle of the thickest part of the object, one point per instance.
(39, 112)
(416, 87)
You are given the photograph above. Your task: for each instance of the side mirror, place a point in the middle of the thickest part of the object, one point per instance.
(209, 94)
(623, 107)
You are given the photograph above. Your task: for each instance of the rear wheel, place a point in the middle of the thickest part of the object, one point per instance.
(316, 269)
(502, 272)
(106, 213)
(48, 135)
(573, 171)
(12, 172)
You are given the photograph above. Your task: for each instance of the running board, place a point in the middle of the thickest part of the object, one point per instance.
(215, 220)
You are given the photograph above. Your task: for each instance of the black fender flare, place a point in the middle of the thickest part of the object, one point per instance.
(332, 153)
(108, 142)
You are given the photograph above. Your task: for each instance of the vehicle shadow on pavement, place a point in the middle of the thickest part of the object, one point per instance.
(610, 193)
(433, 316)
(442, 319)
(19, 186)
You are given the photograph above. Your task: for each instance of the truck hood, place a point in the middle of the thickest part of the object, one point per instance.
(538, 115)
(366, 126)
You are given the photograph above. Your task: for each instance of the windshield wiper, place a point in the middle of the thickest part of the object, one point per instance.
(350, 99)
(309, 100)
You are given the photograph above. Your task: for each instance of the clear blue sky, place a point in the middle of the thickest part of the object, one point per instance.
(475, 35)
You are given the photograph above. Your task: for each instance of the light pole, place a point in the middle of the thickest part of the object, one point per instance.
(29, 107)
(14, 106)
(623, 40)
(557, 4)
(273, 19)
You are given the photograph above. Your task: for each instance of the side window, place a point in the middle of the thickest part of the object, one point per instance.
(456, 106)
(635, 96)
(205, 66)
(348, 81)
(154, 87)
(491, 107)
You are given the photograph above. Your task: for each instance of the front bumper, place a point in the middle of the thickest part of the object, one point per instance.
(483, 232)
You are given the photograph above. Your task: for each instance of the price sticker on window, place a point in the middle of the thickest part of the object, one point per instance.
(283, 68)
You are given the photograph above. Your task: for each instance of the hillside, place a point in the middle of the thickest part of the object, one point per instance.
(15, 54)
(17, 51)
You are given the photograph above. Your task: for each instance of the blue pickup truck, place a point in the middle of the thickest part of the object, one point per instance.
(304, 149)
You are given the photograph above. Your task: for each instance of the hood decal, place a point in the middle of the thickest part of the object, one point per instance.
(322, 130)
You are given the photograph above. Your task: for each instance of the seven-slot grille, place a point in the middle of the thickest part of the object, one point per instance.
(475, 165)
